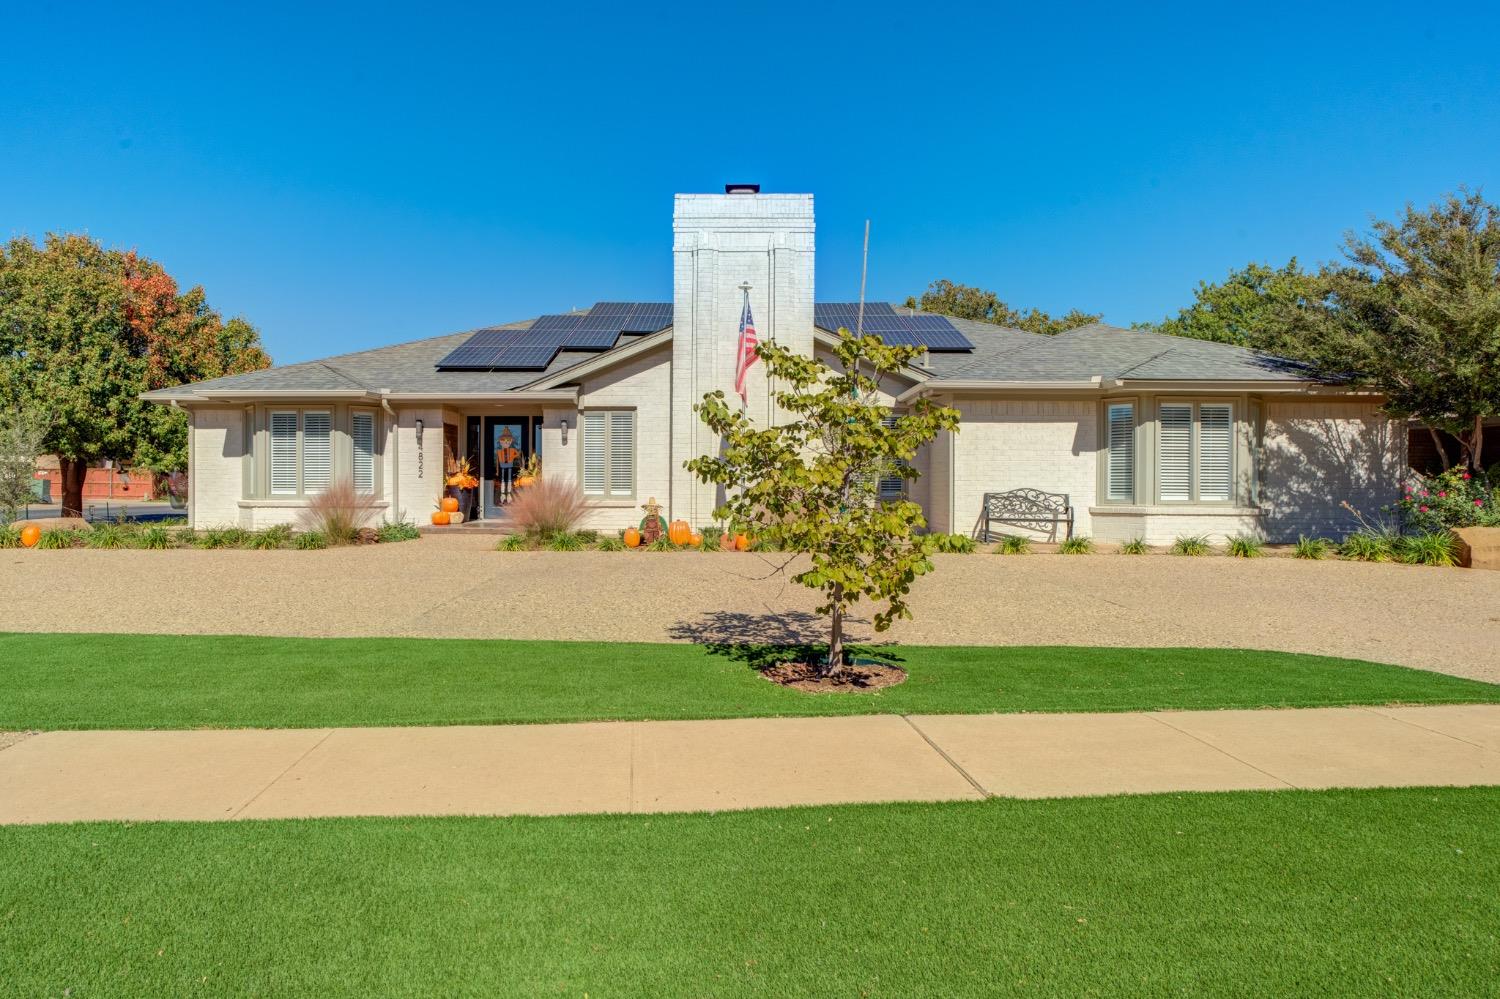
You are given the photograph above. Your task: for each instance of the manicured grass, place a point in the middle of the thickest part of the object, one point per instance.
(1345, 893)
(155, 681)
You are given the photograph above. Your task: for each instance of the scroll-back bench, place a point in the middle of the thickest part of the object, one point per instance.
(1028, 508)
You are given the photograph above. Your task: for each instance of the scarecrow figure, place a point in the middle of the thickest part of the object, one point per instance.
(506, 456)
(651, 526)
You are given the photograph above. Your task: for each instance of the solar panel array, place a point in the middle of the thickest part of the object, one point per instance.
(935, 333)
(534, 348)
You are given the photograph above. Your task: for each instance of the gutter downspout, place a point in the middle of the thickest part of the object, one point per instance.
(192, 496)
(385, 404)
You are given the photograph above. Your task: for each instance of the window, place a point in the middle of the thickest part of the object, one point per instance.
(301, 458)
(1120, 466)
(891, 487)
(362, 434)
(1195, 452)
(609, 452)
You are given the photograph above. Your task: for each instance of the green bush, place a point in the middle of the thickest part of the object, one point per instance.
(565, 541)
(397, 530)
(154, 537)
(514, 543)
(1455, 498)
(1013, 544)
(661, 544)
(588, 536)
(951, 544)
(1192, 545)
(1369, 546)
(60, 537)
(1135, 546)
(1245, 546)
(711, 541)
(221, 537)
(616, 545)
(1315, 549)
(1433, 548)
(10, 536)
(310, 541)
(108, 534)
(273, 537)
(1078, 544)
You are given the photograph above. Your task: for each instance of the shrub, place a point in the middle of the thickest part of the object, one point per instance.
(309, 541)
(1433, 548)
(397, 530)
(155, 537)
(1135, 546)
(951, 544)
(10, 535)
(338, 513)
(1245, 546)
(514, 543)
(550, 505)
(1312, 548)
(107, 534)
(221, 537)
(588, 536)
(59, 537)
(616, 545)
(272, 537)
(1013, 544)
(661, 544)
(711, 541)
(1192, 544)
(1456, 498)
(1369, 546)
(565, 541)
(1079, 544)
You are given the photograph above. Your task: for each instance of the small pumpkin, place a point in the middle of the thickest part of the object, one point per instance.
(726, 541)
(450, 504)
(30, 535)
(522, 481)
(440, 518)
(741, 543)
(695, 539)
(632, 537)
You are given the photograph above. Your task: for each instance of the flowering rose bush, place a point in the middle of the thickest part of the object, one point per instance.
(1455, 498)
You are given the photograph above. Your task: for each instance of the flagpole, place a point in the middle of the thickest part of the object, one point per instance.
(864, 271)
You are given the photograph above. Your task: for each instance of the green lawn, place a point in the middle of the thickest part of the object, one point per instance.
(1344, 893)
(155, 681)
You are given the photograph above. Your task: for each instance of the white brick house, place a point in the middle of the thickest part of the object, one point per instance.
(1149, 436)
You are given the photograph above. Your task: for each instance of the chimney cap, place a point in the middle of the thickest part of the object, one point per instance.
(741, 188)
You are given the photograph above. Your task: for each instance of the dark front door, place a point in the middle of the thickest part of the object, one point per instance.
(505, 446)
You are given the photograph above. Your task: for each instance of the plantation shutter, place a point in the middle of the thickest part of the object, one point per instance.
(284, 454)
(362, 430)
(1175, 458)
(595, 448)
(622, 452)
(1215, 452)
(1121, 471)
(317, 451)
(891, 487)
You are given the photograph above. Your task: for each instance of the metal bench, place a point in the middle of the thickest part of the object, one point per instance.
(1028, 508)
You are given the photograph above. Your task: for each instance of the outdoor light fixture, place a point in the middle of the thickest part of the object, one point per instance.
(419, 431)
(565, 433)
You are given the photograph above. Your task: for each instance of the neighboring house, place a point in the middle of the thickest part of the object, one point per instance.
(104, 480)
(1150, 436)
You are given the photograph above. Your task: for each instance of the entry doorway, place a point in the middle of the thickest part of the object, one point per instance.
(506, 444)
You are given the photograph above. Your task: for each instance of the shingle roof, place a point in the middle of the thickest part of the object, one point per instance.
(1000, 354)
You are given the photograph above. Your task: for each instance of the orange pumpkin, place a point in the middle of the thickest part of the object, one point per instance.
(30, 535)
(440, 518)
(741, 543)
(632, 537)
(450, 504)
(726, 541)
(679, 532)
(522, 481)
(695, 539)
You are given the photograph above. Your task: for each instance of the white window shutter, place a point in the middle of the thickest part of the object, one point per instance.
(1215, 452)
(595, 448)
(1121, 471)
(891, 487)
(284, 453)
(362, 430)
(317, 451)
(1175, 453)
(622, 452)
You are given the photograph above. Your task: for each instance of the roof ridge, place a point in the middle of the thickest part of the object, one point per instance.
(343, 374)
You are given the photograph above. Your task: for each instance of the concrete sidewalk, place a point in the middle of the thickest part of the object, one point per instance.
(742, 763)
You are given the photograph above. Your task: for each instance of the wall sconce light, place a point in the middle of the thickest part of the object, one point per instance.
(419, 431)
(565, 433)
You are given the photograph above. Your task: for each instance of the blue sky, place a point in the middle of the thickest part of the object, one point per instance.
(350, 177)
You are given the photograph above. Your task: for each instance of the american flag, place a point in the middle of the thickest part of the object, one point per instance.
(747, 357)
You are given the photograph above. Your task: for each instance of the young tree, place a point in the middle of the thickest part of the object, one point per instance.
(1247, 309)
(963, 301)
(813, 480)
(1417, 317)
(85, 330)
(21, 436)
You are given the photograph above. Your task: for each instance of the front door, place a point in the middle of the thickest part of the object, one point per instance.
(506, 445)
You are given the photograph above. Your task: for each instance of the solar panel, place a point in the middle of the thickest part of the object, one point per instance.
(935, 333)
(611, 308)
(546, 324)
(526, 355)
(595, 339)
(537, 347)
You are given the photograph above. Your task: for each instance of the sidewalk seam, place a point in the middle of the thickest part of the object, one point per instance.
(951, 761)
(1156, 716)
(290, 766)
(1423, 728)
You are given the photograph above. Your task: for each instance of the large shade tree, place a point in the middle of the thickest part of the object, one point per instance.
(963, 301)
(1248, 308)
(812, 479)
(85, 330)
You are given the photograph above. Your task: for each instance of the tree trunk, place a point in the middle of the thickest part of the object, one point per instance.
(1437, 442)
(1476, 449)
(72, 471)
(835, 634)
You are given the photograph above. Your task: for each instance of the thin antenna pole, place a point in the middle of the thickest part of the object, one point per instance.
(864, 271)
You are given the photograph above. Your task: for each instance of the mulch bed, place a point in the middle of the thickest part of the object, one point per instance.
(854, 678)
